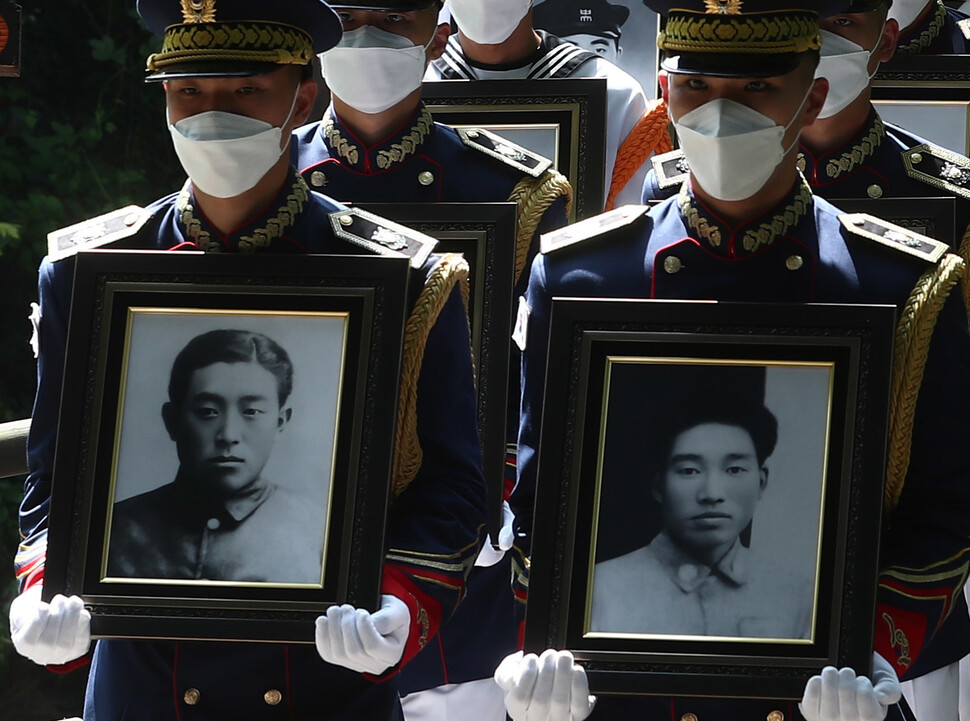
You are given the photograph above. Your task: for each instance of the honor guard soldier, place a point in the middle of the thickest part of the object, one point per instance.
(496, 40)
(378, 143)
(591, 24)
(237, 81)
(746, 227)
(930, 28)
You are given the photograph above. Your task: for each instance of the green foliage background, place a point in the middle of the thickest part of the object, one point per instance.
(80, 134)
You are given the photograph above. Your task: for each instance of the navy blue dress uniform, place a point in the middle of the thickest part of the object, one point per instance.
(426, 161)
(800, 251)
(945, 30)
(882, 161)
(436, 520)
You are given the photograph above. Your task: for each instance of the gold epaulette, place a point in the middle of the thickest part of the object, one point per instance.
(533, 197)
(894, 236)
(450, 270)
(590, 228)
(96, 232)
(939, 168)
(910, 350)
(670, 168)
(497, 147)
(381, 236)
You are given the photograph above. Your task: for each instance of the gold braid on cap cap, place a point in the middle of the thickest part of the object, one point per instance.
(239, 41)
(778, 31)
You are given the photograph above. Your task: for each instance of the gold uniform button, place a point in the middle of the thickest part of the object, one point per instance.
(272, 697)
(346, 220)
(473, 133)
(794, 262)
(874, 191)
(916, 158)
(318, 179)
(191, 697)
(131, 219)
(426, 178)
(775, 716)
(689, 717)
(673, 265)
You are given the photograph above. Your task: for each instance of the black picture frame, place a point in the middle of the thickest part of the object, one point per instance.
(845, 349)
(934, 217)
(485, 235)
(341, 320)
(573, 110)
(932, 97)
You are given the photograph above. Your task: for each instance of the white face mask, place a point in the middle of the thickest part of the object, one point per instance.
(846, 66)
(372, 70)
(905, 12)
(732, 149)
(225, 154)
(488, 22)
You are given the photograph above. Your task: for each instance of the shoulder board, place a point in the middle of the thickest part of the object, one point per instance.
(381, 236)
(894, 236)
(590, 228)
(939, 167)
(964, 26)
(671, 168)
(96, 232)
(508, 152)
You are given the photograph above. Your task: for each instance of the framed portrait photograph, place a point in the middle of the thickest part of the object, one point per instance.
(485, 235)
(933, 217)
(562, 119)
(10, 21)
(710, 482)
(928, 94)
(225, 441)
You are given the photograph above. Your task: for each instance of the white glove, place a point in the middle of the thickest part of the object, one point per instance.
(362, 641)
(489, 555)
(549, 687)
(49, 633)
(840, 695)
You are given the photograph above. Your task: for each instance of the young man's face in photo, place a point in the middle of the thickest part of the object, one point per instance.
(710, 487)
(226, 425)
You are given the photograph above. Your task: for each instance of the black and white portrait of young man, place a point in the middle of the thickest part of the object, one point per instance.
(225, 448)
(710, 498)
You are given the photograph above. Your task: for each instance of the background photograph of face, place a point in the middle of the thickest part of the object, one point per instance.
(638, 40)
(785, 526)
(301, 456)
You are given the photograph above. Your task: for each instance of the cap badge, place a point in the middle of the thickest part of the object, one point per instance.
(585, 16)
(199, 11)
(722, 7)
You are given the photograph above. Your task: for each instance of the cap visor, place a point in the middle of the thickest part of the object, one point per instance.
(212, 70)
(728, 65)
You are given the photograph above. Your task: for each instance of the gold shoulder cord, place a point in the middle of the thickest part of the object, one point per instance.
(534, 196)
(912, 345)
(451, 269)
(964, 252)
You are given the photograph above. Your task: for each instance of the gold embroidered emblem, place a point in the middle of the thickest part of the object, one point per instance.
(199, 11)
(722, 7)
(898, 638)
(922, 41)
(859, 153)
(755, 238)
(409, 144)
(286, 216)
(338, 143)
(425, 625)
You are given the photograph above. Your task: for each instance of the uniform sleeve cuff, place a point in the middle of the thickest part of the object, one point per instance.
(899, 636)
(425, 614)
(70, 665)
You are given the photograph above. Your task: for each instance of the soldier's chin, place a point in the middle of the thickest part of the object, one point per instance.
(232, 480)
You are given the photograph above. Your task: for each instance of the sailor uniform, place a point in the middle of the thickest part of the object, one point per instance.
(556, 58)
(433, 527)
